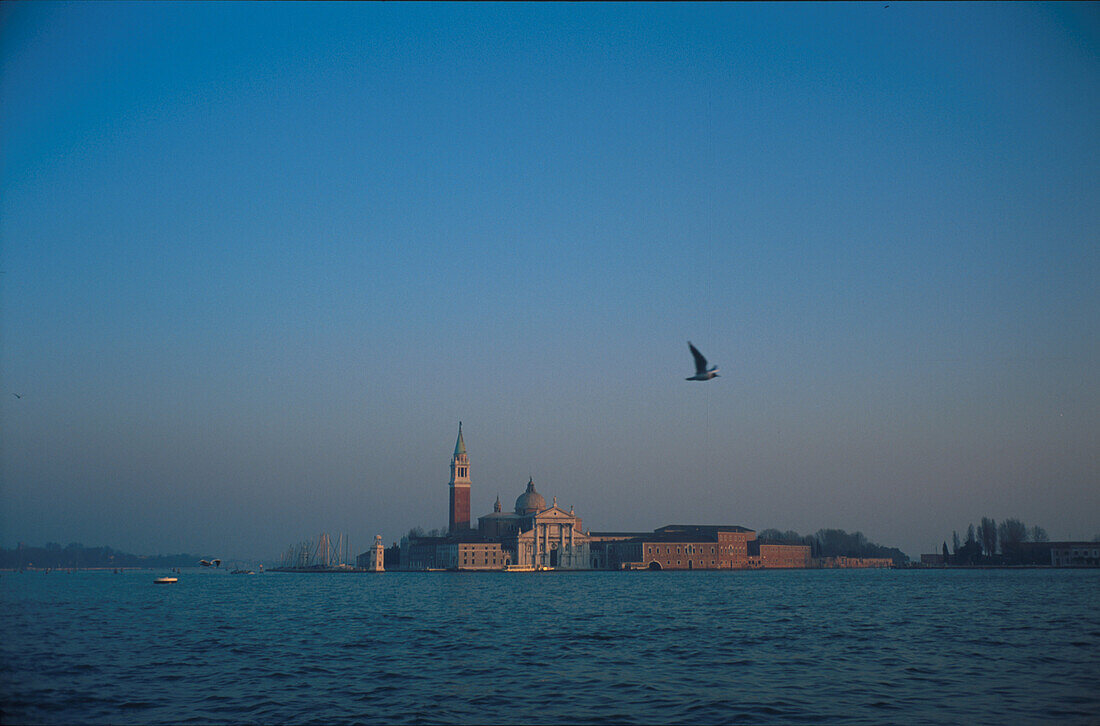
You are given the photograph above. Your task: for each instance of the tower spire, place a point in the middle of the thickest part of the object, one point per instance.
(460, 445)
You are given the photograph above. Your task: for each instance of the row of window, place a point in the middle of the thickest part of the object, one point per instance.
(687, 550)
(701, 562)
(482, 554)
(485, 561)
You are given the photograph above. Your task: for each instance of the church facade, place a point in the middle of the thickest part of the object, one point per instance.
(537, 535)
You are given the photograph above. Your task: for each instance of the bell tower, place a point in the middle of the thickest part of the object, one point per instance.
(460, 487)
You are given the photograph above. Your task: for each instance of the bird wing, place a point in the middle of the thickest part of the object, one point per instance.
(700, 361)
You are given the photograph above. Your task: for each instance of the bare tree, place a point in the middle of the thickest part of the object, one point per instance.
(788, 537)
(971, 550)
(1038, 534)
(1012, 533)
(987, 534)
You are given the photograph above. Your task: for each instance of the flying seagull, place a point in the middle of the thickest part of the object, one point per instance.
(701, 372)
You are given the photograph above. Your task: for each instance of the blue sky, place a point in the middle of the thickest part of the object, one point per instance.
(260, 259)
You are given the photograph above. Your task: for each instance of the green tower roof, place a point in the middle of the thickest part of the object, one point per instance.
(460, 445)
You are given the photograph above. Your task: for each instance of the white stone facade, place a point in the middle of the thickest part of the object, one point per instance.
(553, 540)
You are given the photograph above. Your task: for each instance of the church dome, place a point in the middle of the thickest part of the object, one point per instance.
(530, 501)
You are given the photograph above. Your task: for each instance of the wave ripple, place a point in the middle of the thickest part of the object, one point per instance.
(853, 647)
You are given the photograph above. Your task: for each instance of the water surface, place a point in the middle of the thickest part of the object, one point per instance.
(802, 646)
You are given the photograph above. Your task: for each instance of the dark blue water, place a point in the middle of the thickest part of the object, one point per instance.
(870, 646)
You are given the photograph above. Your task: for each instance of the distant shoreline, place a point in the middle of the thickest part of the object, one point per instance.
(358, 571)
(699, 570)
(999, 567)
(78, 569)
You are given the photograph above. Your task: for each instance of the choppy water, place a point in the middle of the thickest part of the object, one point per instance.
(870, 646)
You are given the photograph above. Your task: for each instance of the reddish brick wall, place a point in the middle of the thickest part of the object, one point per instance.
(460, 508)
(728, 553)
(784, 555)
(736, 545)
(481, 556)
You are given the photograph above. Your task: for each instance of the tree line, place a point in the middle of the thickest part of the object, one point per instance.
(77, 556)
(997, 543)
(415, 532)
(835, 543)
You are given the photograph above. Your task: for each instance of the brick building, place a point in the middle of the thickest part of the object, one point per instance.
(766, 553)
(679, 547)
(475, 555)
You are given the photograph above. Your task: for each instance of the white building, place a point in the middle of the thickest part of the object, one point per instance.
(536, 535)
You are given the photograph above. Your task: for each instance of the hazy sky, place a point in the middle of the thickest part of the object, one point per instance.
(259, 260)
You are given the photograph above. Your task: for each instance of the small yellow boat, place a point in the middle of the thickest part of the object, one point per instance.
(165, 580)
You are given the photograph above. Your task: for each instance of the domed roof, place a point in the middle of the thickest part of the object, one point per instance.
(530, 501)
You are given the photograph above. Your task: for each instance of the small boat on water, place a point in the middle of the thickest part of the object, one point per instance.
(165, 580)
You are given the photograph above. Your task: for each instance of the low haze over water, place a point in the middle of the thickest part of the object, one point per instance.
(841, 646)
